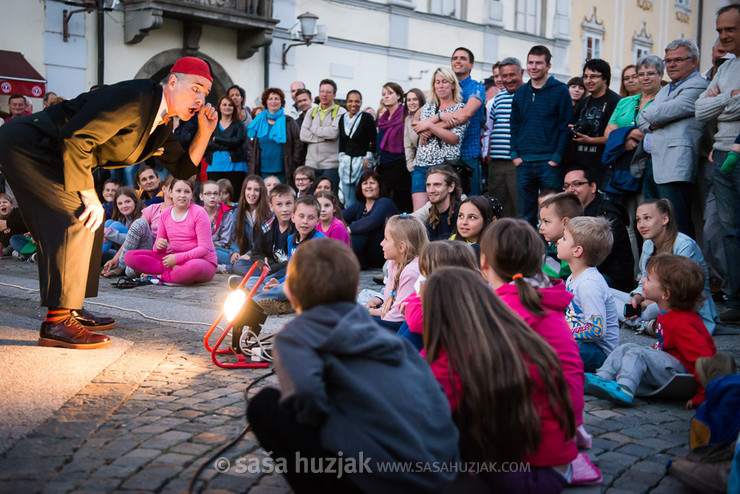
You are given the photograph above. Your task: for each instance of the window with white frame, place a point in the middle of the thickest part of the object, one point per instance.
(642, 42)
(593, 36)
(683, 5)
(529, 15)
(591, 46)
(448, 8)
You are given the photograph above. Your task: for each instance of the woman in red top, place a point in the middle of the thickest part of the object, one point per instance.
(504, 383)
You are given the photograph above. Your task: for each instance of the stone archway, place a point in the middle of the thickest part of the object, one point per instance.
(160, 64)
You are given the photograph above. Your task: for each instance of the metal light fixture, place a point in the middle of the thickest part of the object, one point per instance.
(307, 33)
(88, 7)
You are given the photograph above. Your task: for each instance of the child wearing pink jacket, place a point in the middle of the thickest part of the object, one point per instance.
(185, 232)
(511, 261)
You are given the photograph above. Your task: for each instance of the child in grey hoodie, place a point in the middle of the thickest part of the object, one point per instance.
(353, 395)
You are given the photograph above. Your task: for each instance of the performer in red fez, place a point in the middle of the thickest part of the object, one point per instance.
(48, 159)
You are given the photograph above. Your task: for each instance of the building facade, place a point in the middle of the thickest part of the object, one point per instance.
(367, 42)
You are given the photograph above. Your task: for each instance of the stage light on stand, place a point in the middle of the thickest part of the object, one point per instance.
(234, 304)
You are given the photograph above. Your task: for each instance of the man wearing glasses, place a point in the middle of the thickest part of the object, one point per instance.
(722, 101)
(673, 132)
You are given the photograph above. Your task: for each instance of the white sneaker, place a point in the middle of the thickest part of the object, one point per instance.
(221, 268)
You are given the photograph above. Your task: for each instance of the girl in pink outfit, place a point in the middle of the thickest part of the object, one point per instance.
(511, 261)
(331, 222)
(183, 252)
(487, 358)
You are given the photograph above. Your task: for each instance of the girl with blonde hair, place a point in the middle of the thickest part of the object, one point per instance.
(404, 239)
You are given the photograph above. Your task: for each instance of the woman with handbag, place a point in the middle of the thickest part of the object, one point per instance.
(276, 144)
(437, 145)
(225, 153)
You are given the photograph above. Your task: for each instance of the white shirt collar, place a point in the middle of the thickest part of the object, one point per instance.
(161, 113)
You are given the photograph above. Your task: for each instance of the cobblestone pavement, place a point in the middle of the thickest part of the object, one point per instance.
(155, 414)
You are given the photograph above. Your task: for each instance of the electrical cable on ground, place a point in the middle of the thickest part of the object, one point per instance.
(231, 443)
(265, 355)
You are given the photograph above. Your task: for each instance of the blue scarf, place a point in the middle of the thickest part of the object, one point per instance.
(261, 128)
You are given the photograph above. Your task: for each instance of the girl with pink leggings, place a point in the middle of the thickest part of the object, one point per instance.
(183, 252)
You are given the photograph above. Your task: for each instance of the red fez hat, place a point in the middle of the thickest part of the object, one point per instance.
(193, 66)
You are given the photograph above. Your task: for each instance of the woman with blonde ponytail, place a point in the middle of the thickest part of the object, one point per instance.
(511, 254)
(404, 238)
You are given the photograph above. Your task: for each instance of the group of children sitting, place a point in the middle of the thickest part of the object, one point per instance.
(524, 349)
(497, 334)
(516, 327)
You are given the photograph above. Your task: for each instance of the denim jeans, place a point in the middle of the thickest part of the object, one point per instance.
(679, 193)
(223, 256)
(475, 180)
(727, 192)
(276, 293)
(531, 177)
(593, 357)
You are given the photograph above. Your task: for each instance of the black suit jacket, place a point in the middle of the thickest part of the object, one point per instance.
(109, 127)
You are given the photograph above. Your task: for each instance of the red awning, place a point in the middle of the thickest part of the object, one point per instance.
(17, 76)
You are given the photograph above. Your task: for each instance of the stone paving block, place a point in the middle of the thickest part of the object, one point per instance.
(173, 459)
(635, 449)
(671, 485)
(99, 485)
(155, 428)
(657, 444)
(191, 427)
(605, 414)
(193, 449)
(620, 490)
(43, 447)
(234, 483)
(115, 472)
(27, 468)
(158, 412)
(173, 436)
(649, 466)
(136, 458)
(212, 420)
(210, 438)
(186, 414)
(85, 464)
(617, 438)
(616, 462)
(604, 444)
(151, 478)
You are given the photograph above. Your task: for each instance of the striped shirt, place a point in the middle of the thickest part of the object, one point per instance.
(500, 143)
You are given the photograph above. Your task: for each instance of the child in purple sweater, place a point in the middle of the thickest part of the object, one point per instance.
(183, 252)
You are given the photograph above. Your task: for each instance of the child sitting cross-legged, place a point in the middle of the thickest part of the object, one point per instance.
(675, 284)
(350, 392)
(555, 211)
(592, 315)
(305, 218)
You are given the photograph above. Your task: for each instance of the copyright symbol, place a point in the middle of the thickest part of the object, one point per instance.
(222, 465)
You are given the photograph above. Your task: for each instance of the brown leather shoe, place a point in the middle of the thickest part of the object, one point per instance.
(71, 334)
(91, 322)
